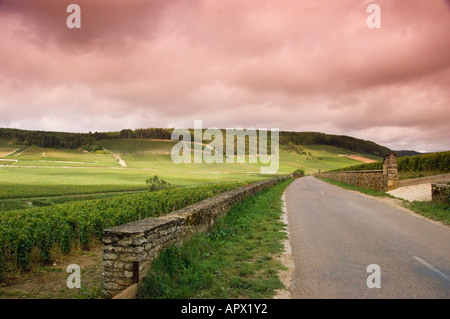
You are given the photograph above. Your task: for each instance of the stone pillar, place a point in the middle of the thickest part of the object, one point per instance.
(390, 171)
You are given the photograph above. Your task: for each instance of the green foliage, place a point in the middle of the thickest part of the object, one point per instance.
(426, 162)
(299, 171)
(23, 246)
(93, 147)
(419, 163)
(156, 133)
(407, 153)
(92, 293)
(51, 139)
(2, 271)
(72, 222)
(291, 147)
(155, 184)
(362, 167)
(347, 142)
(13, 190)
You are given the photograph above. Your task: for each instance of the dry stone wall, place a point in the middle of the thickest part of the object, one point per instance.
(380, 180)
(129, 249)
(440, 192)
(367, 179)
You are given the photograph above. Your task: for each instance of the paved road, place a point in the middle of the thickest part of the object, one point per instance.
(336, 234)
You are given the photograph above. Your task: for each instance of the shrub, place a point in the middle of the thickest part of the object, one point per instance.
(93, 147)
(156, 184)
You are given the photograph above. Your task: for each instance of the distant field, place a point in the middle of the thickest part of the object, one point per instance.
(4, 150)
(361, 158)
(139, 146)
(18, 182)
(156, 154)
(48, 172)
(38, 156)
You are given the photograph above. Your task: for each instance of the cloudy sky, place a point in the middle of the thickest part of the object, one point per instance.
(303, 65)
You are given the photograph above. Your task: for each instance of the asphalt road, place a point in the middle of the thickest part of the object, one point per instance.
(336, 234)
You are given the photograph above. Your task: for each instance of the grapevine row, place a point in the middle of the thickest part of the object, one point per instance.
(426, 162)
(81, 222)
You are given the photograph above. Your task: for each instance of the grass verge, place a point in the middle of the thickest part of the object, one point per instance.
(235, 259)
(356, 188)
(432, 210)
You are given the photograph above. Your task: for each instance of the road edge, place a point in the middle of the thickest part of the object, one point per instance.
(286, 258)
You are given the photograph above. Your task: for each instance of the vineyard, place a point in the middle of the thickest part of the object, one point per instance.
(427, 162)
(79, 223)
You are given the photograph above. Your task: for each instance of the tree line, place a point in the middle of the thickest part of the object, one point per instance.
(341, 141)
(51, 139)
(91, 140)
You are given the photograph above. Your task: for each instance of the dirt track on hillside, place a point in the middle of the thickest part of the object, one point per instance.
(360, 158)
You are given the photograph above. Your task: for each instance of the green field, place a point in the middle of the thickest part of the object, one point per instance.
(36, 172)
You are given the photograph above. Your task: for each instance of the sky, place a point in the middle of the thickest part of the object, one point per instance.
(295, 65)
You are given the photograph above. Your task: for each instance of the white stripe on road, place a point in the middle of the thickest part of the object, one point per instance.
(423, 262)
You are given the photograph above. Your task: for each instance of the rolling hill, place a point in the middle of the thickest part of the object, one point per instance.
(35, 171)
(91, 141)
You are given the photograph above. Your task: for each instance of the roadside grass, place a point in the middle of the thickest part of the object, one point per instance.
(235, 259)
(433, 210)
(367, 191)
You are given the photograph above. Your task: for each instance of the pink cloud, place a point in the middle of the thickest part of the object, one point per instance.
(296, 65)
